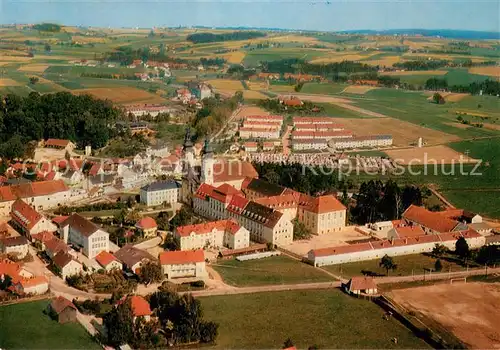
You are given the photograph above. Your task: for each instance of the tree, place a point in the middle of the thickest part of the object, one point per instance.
(34, 80)
(208, 331)
(438, 99)
(171, 242)
(439, 250)
(300, 230)
(388, 264)
(462, 248)
(438, 266)
(119, 324)
(6, 282)
(288, 343)
(47, 47)
(150, 272)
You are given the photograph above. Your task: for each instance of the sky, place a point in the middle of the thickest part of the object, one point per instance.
(336, 15)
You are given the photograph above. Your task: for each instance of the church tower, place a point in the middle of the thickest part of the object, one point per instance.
(188, 172)
(187, 151)
(207, 164)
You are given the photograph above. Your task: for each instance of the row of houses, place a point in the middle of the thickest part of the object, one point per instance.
(261, 126)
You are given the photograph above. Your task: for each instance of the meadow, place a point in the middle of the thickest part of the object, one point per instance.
(326, 318)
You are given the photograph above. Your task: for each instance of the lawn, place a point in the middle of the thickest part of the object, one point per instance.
(273, 270)
(485, 202)
(326, 318)
(406, 264)
(25, 326)
(322, 88)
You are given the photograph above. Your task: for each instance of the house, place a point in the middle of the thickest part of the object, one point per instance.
(54, 246)
(177, 264)
(215, 234)
(200, 90)
(108, 261)
(66, 145)
(133, 258)
(41, 238)
(15, 246)
(62, 310)
(432, 222)
(28, 221)
(405, 231)
(66, 265)
(23, 282)
(255, 132)
(161, 192)
(147, 226)
(85, 234)
(361, 285)
(250, 146)
(139, 306)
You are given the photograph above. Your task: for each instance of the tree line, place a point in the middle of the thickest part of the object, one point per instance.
(82, 119)
(488, 87)
(199, 38)
(296, 65)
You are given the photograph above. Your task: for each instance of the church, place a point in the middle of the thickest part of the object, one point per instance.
(208, 170)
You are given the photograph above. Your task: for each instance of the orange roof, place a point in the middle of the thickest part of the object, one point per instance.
(57, 143)
(321, 134)
(24, 215)
(409, 231)
(259, 129)
(105, 258)
(251, 123)
(231, 171)
(293, 102)
(250, 144)
(323, 204)
(228, 189)
(60, 303)
(33, 281)
(344, 249)
(32, 189)
(59, 219)
(362, 283)
(230, 226)
(181, 257)
(431, 220)
(314, 120)
(139, 305)
(146, 223)
(264, 117)
(44, 236)
(279, 202)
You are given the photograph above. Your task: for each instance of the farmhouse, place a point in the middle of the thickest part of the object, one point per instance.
(432, 222)
(17, 246)
(28, 221)
(66, 265)
(85, 234)
(55, 245)
(216, 234)
(108, 261)
(23, 282)
(176, 264)
(62, 310)
(158, 193)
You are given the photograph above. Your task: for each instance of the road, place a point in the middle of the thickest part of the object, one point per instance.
(285, 140)
(229, 120)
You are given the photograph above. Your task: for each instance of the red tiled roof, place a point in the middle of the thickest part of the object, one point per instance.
(259, 129)
(230, 226)
(323, 204)
(293, 102)
(24, 215)
(231, 171)
(44, 236)
(84, 226)
(344, 249)
(237, 204)
(250, 144)
(139, 305)
(431, 220)
(33, 281)
(181, 257)
(14, 241)
(362, 283)
(59, 219)
(62, 259)
(60, 303)
(265, 117)
(56, 245)
(146, 223)
(320, 134)
(9, 268)
(228, 190)
(279, 202)
(251, 123)
(409, 231)
(32, 189)
(57, 143)
(105, 258)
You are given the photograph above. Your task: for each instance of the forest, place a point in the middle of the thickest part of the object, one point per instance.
(488, 87)
(81, 119)
(199, 38)
(295, 65)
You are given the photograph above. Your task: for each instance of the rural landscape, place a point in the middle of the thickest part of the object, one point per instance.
(248, 188)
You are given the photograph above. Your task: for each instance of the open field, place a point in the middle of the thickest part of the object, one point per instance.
(358, 89)
(274, 270)
(9, 82)
(254, 95)
(339, 58)
(122, 95)
(257, 85)
(328, 319)
(484, 202)
(321, 98)
(469, 310)
(403, 133)
(36, 68)
(492, 71)
(407, 265)
(235, 57)
(417, 72)
(429, 155)
(25, 326)
(226, 85)
(323, 88)
(246, 111)
(386, 61)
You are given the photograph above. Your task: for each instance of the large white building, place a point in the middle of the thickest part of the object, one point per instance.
(216, 234)
(263, 132)
(177, 264)
(28, 221)
(161, 192)
(362, 142)
(309, 144)
(84, 234)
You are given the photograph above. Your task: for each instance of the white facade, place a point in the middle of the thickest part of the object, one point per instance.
(361, 142)
(86, 235)
(157, 195)
(254, 133)
(71, 268)
(321, 223)
(191, 269)
(304, 145)
(216, 238)
(20, 250)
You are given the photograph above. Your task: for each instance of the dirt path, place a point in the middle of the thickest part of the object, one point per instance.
(361, 110)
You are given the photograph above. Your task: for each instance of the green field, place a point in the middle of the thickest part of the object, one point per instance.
(323, 88)
(253, 58)
(25, 326)
(407, 265)
(273, 270)
(485, 202)
(327, 318)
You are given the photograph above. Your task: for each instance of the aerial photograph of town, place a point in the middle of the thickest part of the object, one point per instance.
(282, 174)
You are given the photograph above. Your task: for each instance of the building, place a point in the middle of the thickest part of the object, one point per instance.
(108, 261)
(15, 246)
(309, 144)
(147, 226)
(323, 135)
(362, 142)
(54, 246)
(40, 195)
(139, 306)
(200, 90)
(176, 264)
(23, 281)
(28, 221)
(152, 109)
(215, 234)
(159, 193)
(250, 146)
(432, 222)
(66, 145)
(361, 285)
(265, 119)
(259, 132)
(133, 258)
(84, 234)
(268, 146)
(323, 214)
(405, 231)
(67, 265)
(62, 310)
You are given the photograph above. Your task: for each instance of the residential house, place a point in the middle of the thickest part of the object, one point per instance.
(23, 281)
(66, 145)
(256, 132)
(133, 258)
(28, 221)
(161, 192)
(309, 144)
(361, 285)
(41, 238)
(15, 246)
(85, 234)
(54, 246)
(108, 261)
(140, 307)
(216, 234)
(67, 265)
(147, 226)
(63, 310)
(176, 264)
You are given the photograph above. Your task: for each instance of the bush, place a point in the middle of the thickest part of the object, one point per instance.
(198, 284)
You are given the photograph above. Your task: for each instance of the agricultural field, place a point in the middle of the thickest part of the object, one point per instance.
(122, 95)
(274, 270)
(489, 71)
(325, 318)
(429, 155)
(468, 310)
(29, 328)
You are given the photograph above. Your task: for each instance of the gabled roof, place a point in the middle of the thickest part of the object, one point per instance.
(24, 215)
(261, 214)
(82, 225)
(146, 223)
(139, 305)
(58, 220)
(62, 259)
(14, 241)
(323, 204)
(60, 303)
(32, 189)
(231, 171)
(43, 236)
(263, 187)
(228, 189)
(181, 257)
(345, 249)
(57, 143)
(129, 255)
(56, 245)
(409, 231)
(161, 185)
(229, 226)
(431, 220)
(105, 258)
(361, 283)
